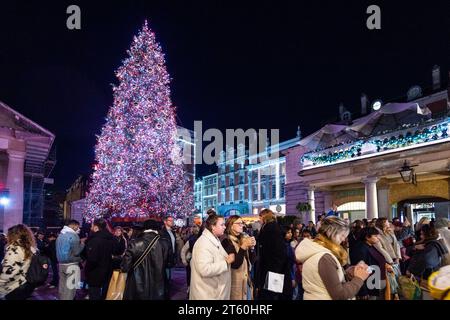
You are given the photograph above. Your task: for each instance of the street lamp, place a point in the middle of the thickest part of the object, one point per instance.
(4, 201)
(407, 173)
(4, 197)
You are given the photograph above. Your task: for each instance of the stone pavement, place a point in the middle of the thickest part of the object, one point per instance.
(178, 288)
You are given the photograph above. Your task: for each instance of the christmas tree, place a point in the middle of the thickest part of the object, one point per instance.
(139, 169)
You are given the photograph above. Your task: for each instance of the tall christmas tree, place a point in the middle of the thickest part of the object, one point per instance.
(139, 168)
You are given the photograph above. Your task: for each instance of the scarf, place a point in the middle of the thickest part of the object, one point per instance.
(338, 251)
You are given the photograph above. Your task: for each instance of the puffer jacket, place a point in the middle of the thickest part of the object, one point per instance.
(146, 281)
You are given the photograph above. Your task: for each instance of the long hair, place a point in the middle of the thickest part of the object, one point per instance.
(267, 216)
(230, 221)
(381, 223)
(20, 235)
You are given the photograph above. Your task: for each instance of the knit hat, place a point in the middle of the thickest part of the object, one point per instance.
(441, 223)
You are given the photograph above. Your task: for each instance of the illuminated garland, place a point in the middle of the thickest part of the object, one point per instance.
(436, 132)
(412, 138)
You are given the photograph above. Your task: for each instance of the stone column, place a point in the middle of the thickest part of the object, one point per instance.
(311, 201)
(384, 208)
(13, 212)
(371, 197)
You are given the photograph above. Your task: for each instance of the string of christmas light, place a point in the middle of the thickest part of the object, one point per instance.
(436, 132)
(139, 169)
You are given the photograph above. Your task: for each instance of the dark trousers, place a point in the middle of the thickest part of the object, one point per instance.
(55, 276)
(95, 293)
(167, 280)
(21, 293)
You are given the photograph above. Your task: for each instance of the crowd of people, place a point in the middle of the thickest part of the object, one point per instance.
(227, 259)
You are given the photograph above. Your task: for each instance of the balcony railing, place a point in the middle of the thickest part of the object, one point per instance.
(405, 137)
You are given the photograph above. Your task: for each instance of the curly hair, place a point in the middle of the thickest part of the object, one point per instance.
(20, 235)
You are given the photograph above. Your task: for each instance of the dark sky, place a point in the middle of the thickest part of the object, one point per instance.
(262, 64)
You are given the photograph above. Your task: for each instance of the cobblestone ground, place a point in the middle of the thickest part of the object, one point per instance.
(178, 288)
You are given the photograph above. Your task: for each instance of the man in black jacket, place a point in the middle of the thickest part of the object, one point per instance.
(167, 234)
(146, 269)
(99, 250)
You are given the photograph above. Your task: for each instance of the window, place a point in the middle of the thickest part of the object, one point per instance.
(223, 197)
(232, 180)
(231, 194)
(282, 183)
(274, 190)
(241, 194)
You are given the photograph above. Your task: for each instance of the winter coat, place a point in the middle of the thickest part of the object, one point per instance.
(173, 254)
(426, 261)
(99, 249)
(240, 269)
(120, 245)
(14, 269)
(309, 253)
(388, 242)
(444, 233)
(361, 251)
(68, 246)
(210, 273)
(146, 281)
(272, 256)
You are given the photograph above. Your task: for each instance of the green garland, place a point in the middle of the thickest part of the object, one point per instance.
(436, 132)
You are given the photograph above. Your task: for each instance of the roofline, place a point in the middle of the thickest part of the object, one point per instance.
(48, 133)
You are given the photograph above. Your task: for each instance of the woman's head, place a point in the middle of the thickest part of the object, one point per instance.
(21, 235)
(335, 229)
(118, 231)
(297, 233)
(370, 235)
(215, 224)
(382, 223)
(287, 232)
(234, 225)
(422, 221)
(427, 232)
(266, 216)
(306, 234)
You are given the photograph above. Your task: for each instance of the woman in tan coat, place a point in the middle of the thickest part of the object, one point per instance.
(239, 244)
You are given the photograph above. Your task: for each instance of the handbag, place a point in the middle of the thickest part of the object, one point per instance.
(409, 288)
(118, 280)
(116, 285)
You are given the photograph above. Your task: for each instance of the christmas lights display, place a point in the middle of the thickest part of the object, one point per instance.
(138, 171)
(342, 154)
(419, 136)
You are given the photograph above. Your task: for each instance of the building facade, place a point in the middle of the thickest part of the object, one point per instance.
(396, 167)
(209, 192)
(250, 183)
(198, 196)
(27, 157)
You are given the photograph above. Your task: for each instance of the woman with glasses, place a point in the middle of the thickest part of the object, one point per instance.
(240, 244)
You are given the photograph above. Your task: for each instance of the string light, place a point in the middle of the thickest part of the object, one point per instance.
(137, 174)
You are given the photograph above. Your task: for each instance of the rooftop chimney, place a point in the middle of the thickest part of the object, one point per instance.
(363, 104)
(436, 75)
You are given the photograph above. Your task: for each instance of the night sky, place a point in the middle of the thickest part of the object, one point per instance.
(265, 64)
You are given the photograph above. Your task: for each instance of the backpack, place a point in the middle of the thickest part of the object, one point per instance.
(38, 272)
